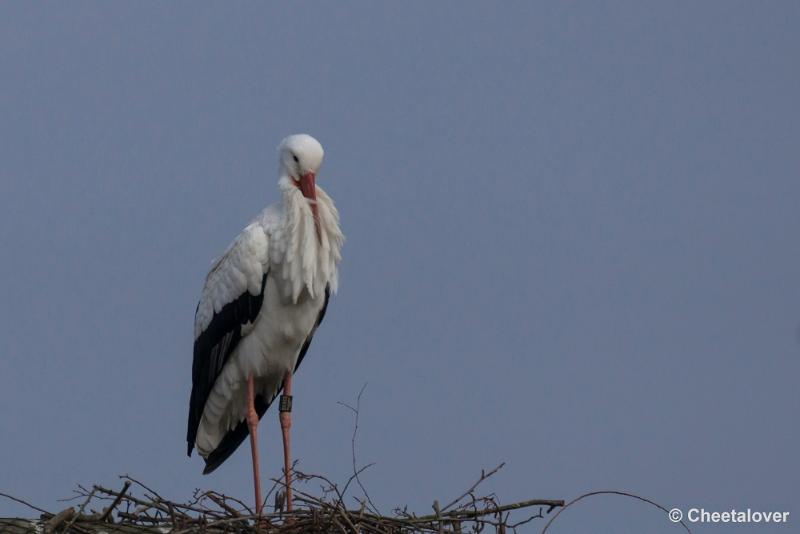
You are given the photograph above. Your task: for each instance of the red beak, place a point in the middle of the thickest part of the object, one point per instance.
(309, 190)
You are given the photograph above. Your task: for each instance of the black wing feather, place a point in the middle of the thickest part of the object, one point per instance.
(213, 347)
(231, 441)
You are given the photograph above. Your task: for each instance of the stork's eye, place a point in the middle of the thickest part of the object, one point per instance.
(295, 158)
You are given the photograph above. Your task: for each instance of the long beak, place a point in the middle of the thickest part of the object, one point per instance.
(309, 190)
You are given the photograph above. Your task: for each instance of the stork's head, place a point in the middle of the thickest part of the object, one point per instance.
(300, 155)
(300, 158)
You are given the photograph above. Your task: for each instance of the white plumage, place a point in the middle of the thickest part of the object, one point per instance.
(261, 303)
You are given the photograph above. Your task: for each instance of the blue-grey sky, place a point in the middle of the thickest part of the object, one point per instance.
(571, 244)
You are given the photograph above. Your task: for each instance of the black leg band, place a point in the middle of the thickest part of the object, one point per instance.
(285, 404)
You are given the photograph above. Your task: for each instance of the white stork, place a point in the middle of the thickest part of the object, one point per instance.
(260, 305)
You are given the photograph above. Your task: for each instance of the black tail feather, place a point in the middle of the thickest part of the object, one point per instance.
(233, 438)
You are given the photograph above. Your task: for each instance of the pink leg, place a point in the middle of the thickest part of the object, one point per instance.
(252, 425)
(285, 416)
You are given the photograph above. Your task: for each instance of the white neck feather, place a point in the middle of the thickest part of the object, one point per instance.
(310, 263)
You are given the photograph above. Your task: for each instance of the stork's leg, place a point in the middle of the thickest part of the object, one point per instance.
(285, 415)
(252, 425)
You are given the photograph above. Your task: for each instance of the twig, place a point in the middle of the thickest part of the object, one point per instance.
(222, 504)
(608, 492)
(83, 506)
(29, 505)
(131, 479)
(483, 477)
(104, 516)
(496, 509)
(357, 412)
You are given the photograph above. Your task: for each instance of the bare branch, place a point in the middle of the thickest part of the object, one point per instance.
(29, 505)
(608, 492)
(357, 412)
(107, 513)
(483, 477)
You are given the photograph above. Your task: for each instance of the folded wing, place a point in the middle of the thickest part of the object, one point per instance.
(231, 300)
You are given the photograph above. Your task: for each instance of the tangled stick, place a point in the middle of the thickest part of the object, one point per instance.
(135, 507)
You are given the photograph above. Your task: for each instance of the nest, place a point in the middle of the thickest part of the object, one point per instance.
(319, 505)
(137, 508)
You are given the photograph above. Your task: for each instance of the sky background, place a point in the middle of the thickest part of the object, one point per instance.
(572, 245)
